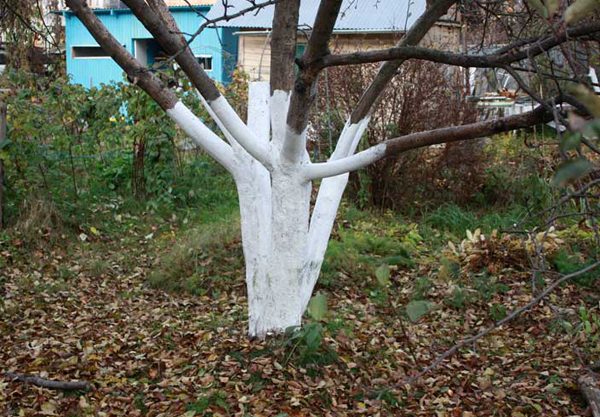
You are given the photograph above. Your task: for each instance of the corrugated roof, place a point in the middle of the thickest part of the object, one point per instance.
(189, 2)
(355, 15)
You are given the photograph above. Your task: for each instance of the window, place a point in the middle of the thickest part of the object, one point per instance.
(89, 52)
(205, 62)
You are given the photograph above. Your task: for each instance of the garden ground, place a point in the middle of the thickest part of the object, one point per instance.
(159, 330)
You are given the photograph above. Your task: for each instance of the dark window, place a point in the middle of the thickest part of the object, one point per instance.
(205, 62)
(89, 52)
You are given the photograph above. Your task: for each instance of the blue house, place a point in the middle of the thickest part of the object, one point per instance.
(88, 64)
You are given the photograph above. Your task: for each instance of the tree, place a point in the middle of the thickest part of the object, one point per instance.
(284, 240)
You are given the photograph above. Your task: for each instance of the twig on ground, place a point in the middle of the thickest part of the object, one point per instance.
(516, 313)
(48, 383)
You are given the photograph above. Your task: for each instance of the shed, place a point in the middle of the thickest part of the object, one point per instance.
(90, 65)
(361, 25)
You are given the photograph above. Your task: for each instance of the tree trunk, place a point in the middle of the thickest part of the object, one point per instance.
(274, 208)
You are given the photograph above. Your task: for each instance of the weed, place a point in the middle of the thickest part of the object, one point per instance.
(567, 263)
(497, 312)
(422, 287)
(217, 399)
(98, 268)
(487, 286)
(458, 299)
(306, 348)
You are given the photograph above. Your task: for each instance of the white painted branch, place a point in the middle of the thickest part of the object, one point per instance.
(327, 204)
(349, 138)
(259, 118)
(240, 132)
(254, 189)
(294, 146)
(280, 101)
(218, 121)
(202, 135)
(344, 165)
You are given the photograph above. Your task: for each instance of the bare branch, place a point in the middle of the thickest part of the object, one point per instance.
(388, 70)
(508, 55)
(163, 27)
(421, 139)
(48, 383)
(283, 44)
(227, 17)
(303, 94)
(510, 317)
(141, 76)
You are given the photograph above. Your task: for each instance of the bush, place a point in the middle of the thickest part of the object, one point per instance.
(73, 149)
(452, 171)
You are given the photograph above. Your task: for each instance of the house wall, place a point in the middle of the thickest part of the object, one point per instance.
(220, 44)
(254, 55)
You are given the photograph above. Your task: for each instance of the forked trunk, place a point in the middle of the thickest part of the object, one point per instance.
(283, 246)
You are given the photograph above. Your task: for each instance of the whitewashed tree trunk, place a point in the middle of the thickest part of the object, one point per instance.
(275, 210)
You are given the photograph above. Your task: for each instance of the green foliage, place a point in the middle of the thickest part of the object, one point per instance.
(487, 285)
(458, 299)
(497, 312)
(572, 170)
(422, 287)
(305, 346)
(368, 248)
(74, 151)
(417, 309)
(317, 307)
(204, 403)
(566, 262)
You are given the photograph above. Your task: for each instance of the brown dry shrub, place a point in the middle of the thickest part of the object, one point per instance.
(422, 96)
(39, 221)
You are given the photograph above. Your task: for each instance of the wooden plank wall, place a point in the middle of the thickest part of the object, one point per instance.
(255, 51)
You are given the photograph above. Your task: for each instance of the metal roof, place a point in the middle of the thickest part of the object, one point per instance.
(355, 15)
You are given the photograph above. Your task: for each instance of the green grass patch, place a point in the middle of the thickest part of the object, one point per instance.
(203, 259)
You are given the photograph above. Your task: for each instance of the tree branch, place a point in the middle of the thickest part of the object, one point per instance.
(48, 383)
(387, 71)
(303, 94)
(164, 29)
(421, 139)
(514, 314)
(283, 44)
(505, 56)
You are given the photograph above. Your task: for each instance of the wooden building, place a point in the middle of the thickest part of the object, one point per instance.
(362, 25)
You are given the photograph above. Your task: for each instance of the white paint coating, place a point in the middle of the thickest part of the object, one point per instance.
(240, 132)
(202, 135)
(327, 204)
(282, 251)
(254, 189)
(259, 118)
(280, 102)
(348, 164)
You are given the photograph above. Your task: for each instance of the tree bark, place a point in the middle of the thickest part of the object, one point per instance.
(49, 383)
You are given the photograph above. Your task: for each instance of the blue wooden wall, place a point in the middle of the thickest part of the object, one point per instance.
(219, 43)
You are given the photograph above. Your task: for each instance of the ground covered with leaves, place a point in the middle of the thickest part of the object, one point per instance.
(154, 317)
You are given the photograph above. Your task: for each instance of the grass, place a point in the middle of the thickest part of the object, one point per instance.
(206, 257)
